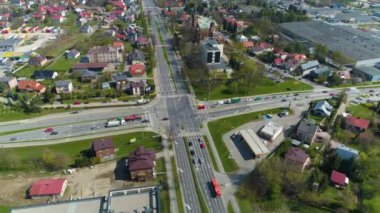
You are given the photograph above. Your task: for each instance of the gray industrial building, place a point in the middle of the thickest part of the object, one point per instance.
(356, 44)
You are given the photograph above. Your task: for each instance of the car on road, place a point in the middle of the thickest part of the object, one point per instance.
(199, 161)
(15, 138)
(192, 152)
(199, 140)
(269, 116)
(195, 159)
(284, 100)
(190, 143)
(324, 91)
(49, 129)
(372, 90)
(258, 98)
(54, 133)
(202, 145)
(248, 100)
(75, 112)
(145, 121)
(165, 119)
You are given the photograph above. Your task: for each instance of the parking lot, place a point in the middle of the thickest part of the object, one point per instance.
(32, 41)
(240, 151)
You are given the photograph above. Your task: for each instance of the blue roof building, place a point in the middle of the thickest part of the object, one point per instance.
(347, 153)
(323, 108)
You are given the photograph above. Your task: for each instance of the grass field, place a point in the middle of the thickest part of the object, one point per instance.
(214, 165)
(361, 110)
(26, 71)
(266, 86)
(61, 65)
(10, 115)
(72, 149)
(4, 209)
(219, 127)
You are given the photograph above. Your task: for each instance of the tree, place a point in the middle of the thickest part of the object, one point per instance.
(54, 160)
(109, 7)
(3, 87)
(48, 96)
(334, 79)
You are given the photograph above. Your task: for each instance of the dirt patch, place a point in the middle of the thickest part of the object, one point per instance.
(84, 183)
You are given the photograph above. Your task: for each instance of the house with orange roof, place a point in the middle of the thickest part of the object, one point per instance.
(136, 70)
(31, 86)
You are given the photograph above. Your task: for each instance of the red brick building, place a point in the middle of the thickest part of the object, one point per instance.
(103, 148)
(141, 164)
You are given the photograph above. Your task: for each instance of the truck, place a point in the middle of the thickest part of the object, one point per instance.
(114, 123)
(232, 101)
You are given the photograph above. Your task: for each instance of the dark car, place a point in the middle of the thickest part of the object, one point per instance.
(324, 91)
(54, 133)
(144, 121)
(75, 112)
(284, 100)
(199, 161)
(192, 152)
(165, 119)
(199, 140)
(190, 143)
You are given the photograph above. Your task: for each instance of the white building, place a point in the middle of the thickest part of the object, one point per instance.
(271, 131)
(212, 51)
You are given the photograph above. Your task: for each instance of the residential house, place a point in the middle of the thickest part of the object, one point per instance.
(73, 54)
(202, 27)
(96, 66)
(136, 87)
(340, 180)
(322, 108)
(141, 164)
(356, 124)
(306, 131)
(47, 188)
(346, 153)
(63, 86)
(298, 158)
(118, 45)
(344, 75)
(261, 48)
(103, 148)
(307, 67)
(136, 70)
(105, 54)
(142, 41)
(321, 71)
(87, 76)
(121, 80)
(271, 131)
(86, 29)
(37, 60)
(136, 57)
(31, 86)
(10, 82)
(241, 38)
(41, 75)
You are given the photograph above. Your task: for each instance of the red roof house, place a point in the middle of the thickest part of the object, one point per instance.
(339, 179)
(356, 124)
(48, 187)
(31, 85)
(136, 70)
(298, 157)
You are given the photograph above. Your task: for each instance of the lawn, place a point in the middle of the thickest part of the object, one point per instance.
(57, 47)
(26, 71)
(177, 186)
(62, 64)
(213, 160)
(72, 149)
(267, 86)
(361, 110)
(4, 209)
(219, 127)
(10, 115)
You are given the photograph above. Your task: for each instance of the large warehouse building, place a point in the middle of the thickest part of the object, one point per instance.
(254, 142)
(362, 46)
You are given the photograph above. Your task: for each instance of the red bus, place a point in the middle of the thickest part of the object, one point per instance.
(215, 185)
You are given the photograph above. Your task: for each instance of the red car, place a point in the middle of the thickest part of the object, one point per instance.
(76, 102)
(50, 129)
(201, 106)
(202, 145)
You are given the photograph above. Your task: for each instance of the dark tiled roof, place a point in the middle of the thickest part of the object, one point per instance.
(101, 144)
